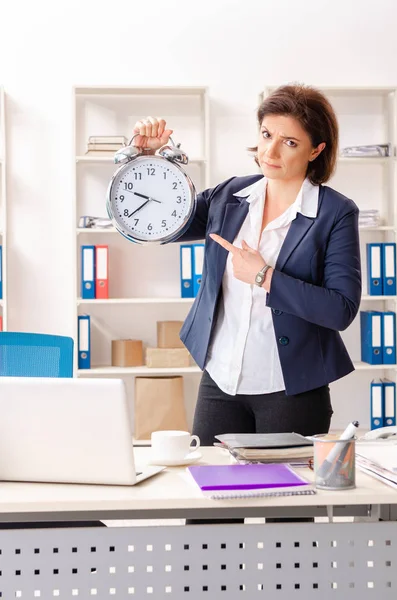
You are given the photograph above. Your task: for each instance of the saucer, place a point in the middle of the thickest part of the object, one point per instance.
(176, 462)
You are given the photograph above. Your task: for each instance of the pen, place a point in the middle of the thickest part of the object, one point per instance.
(348, 434)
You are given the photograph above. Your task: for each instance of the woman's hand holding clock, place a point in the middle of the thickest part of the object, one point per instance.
(151, 198)
(152, 133)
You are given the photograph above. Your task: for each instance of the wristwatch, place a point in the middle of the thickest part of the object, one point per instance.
(260, 276)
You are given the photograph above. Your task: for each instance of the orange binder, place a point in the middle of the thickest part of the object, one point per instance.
(102, 269)
(1, 323)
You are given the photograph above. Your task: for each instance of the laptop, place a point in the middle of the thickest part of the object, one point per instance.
(62, 430)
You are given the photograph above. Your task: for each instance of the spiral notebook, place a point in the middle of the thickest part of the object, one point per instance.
(252, 480)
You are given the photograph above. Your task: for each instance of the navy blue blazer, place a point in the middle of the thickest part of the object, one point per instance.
(315, 290)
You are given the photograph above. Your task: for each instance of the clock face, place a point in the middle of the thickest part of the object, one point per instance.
(150, 199)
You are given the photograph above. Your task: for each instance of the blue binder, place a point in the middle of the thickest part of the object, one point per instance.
(389, 269)
(374, 269)
(389, 338)
(371, 337)
(1, 272)
(88, 272)
(186, 266)
(377, 403)
(198, 263)
(84, 342)
(389, 402)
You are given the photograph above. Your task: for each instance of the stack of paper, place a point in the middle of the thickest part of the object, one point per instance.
(268, 447)
(378, 459)
(369, 218)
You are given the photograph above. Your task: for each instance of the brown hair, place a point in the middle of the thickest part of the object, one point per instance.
(317, 117)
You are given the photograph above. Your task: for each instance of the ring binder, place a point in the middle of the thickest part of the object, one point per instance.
(261, 494)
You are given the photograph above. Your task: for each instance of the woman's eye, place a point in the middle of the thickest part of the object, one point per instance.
(290, 143)
(265, 134)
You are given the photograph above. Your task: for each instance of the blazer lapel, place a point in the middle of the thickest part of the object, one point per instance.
(235, 213)
(297, 231)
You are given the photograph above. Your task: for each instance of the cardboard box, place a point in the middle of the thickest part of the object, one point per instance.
(168, 334)
(167, 357)
(127, 353)
(159, 404)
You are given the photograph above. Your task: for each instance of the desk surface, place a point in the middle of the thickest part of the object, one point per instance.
(165, 492)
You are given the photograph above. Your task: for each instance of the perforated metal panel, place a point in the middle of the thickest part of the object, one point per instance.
(336, 560)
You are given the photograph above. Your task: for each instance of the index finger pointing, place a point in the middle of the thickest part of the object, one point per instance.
(224, 243)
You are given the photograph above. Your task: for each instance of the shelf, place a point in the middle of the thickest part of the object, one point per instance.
(144, 90)
(95, 230)
(100, 231)
(379, 228)
(162, 300)
(136, 301)
(138, 371)
(362, 366)
(375, 298)
(110, 159)
(369, 160)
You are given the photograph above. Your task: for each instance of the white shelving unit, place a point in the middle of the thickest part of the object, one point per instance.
(3, 207)
(366, 115)
(144, 282)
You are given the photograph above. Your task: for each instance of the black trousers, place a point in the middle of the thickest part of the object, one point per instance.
(217, 412)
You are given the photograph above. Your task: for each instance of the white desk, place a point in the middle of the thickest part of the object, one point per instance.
(329, 560)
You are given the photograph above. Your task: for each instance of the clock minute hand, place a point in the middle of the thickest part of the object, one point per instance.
(148, 197)
(139, 208)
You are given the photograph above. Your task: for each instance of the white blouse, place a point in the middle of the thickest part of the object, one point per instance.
(243, 356)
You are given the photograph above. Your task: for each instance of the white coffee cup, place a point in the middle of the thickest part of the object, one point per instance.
(173, 445)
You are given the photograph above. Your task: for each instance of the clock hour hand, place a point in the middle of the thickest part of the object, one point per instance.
(147, 197)
(139, 208)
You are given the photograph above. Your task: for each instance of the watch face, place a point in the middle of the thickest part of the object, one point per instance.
(151, 199)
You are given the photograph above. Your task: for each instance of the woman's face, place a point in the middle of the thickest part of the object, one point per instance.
(284, 148)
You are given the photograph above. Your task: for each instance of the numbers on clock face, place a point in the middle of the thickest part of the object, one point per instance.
(150, 198)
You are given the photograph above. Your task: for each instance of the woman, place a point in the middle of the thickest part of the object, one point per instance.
(281, 276)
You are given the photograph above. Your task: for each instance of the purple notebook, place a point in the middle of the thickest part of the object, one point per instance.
(246, 477)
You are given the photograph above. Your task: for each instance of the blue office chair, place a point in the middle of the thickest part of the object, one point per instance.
(35, 355)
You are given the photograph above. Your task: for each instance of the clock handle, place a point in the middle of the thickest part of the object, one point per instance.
(172, 152)
(128, 152)
(135, 134)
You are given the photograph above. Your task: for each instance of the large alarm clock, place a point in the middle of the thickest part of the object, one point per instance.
(151, 199)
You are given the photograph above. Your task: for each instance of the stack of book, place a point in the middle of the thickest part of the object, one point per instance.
(105, 144)
(268, 447)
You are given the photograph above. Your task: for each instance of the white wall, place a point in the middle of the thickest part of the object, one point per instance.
(234, 47)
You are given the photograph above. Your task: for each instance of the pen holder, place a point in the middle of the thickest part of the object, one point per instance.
(334, 463)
